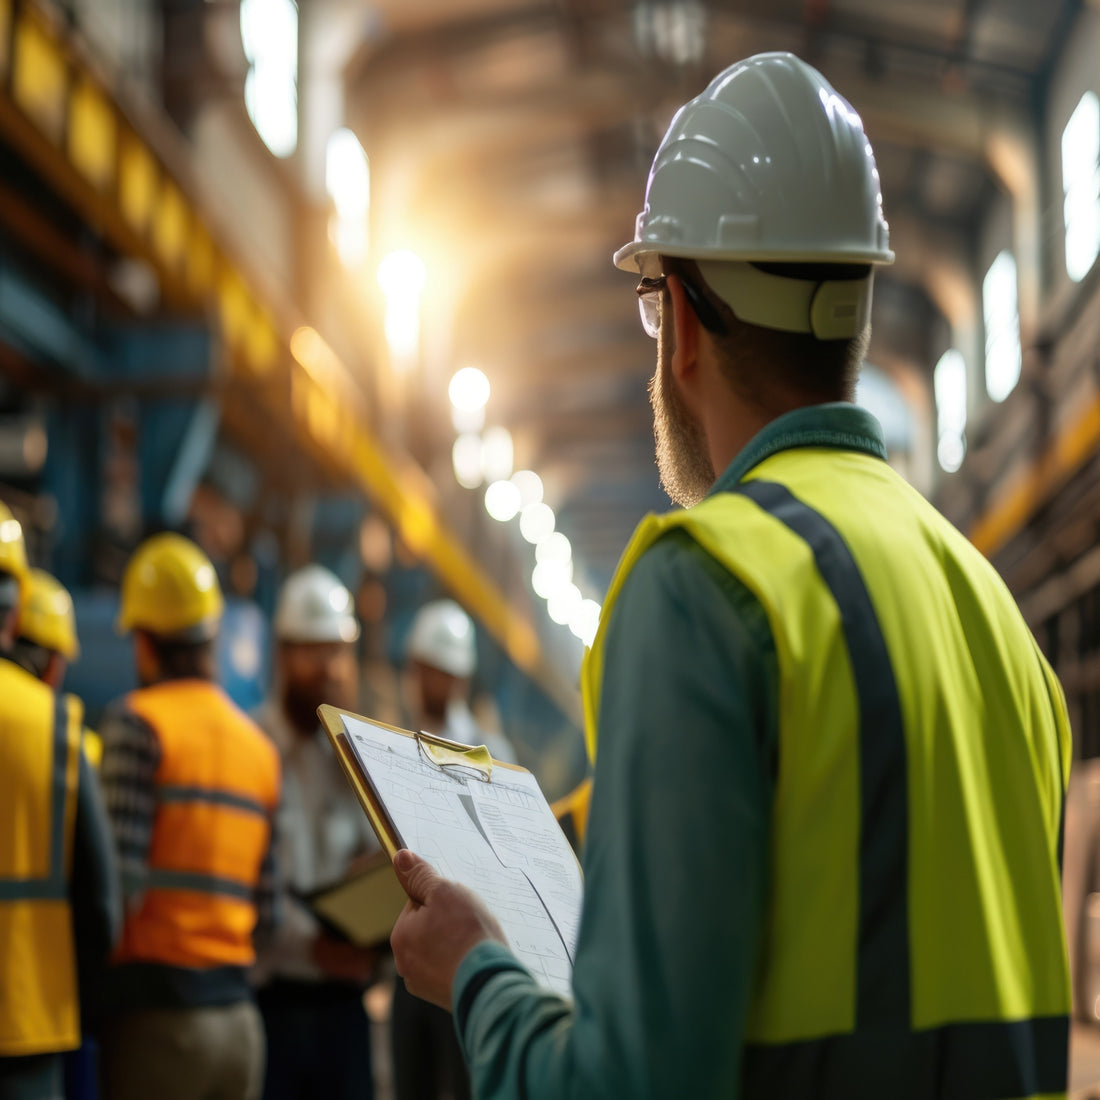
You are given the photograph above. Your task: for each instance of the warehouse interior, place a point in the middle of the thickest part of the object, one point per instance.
(331, 282)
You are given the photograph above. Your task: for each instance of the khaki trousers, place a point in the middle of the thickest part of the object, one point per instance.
(212, 1053)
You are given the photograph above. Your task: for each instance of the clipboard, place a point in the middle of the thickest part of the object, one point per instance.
(442, 752)
(480, 822)
(361, 908)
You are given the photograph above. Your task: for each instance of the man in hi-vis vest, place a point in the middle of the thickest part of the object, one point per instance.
(59, 905)
(830, 760)
(192, 787)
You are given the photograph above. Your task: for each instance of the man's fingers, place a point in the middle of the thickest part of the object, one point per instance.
(417, 877)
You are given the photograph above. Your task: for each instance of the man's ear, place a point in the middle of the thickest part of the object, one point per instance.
(685, 327)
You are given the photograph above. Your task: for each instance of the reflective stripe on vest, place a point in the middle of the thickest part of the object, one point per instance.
(39, 770)
(786, 1051)
(54, 885)
(189, 880)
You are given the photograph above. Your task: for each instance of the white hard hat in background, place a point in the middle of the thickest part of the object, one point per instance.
(315, 606)
(442, 635)
(767, 164)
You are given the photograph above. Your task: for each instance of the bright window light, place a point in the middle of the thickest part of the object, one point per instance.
(1081, 186)
(466, 458)
(1002, 327)
(536, 522)
(529, 485)
(469, 389)
(347, 174)
(269, 35)
(402, 276)
(497, 456)
(555, 547)
(949, 383)
(347, 180)
(502, 501)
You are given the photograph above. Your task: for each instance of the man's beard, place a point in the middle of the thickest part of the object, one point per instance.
(683, 460)
(300, 703)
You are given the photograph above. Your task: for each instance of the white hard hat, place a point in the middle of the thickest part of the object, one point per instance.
(442, 636)
(314, 606)
(767, 165)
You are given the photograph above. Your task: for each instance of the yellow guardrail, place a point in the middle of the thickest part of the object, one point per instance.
(63, 120)
(1035, 485)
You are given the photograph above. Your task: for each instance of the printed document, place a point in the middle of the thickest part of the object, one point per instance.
(498, 837)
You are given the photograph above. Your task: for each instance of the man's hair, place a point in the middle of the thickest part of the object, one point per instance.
(184, 660)
(766, 366)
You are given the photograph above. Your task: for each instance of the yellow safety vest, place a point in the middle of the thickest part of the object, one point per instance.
(39, 761)
(571, 810)
(913, 926)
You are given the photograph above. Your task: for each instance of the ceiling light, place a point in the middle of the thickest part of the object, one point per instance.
(555, 547)
(529, 485)
(469, 389)
(536, 522)
(502, 500)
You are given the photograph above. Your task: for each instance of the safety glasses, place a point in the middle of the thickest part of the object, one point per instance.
(651, 292)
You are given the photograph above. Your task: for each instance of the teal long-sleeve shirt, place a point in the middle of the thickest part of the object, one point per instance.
(675, 861)
(676, 857)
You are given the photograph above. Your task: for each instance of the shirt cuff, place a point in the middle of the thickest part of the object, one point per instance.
(474, 972)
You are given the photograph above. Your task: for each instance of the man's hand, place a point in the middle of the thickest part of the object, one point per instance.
(440, 923)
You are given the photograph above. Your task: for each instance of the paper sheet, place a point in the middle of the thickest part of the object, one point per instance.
(499, 839)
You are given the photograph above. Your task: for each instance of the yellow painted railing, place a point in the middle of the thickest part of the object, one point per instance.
(63, 120)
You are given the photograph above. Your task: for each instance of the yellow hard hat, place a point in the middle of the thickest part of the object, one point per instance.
(170, 589)
(47, 617)
(13, 551)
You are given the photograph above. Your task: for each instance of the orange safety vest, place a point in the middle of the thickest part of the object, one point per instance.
(39, 768)
(217, 788)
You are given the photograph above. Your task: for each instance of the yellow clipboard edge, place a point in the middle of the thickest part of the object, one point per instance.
(332, 722)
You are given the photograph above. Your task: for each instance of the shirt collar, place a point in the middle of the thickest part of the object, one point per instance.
(839, 424)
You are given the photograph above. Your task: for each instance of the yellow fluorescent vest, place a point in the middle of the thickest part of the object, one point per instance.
(923, 756)
(39, 760)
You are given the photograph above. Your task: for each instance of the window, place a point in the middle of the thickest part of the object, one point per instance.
(269, 34)
(1002, 327)
(949, 384)
(1081, 186)
(347, 180)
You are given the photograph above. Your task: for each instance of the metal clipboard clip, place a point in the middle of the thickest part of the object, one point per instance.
(444, 754)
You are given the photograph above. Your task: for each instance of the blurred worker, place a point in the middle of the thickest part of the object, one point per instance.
(48, 644)
(312, 984)
(59, 905)
(823, 855)
(441, 656)
(192, 787)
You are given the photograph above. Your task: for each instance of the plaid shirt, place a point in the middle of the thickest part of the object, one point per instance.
(131, 756)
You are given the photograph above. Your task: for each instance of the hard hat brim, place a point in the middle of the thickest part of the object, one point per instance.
(629, 257)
